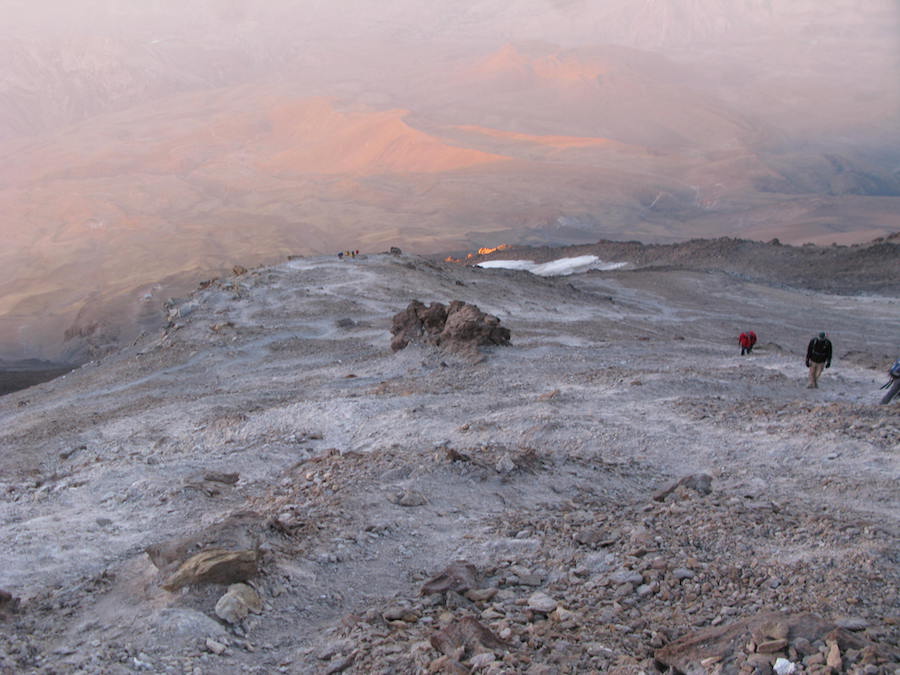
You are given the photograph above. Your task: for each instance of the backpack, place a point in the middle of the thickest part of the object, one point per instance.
(895, 369)
(819, 347)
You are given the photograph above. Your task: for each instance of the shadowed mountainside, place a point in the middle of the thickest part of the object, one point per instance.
(845, 270)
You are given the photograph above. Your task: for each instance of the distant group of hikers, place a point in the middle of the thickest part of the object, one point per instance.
(818, 358)
(348, 254)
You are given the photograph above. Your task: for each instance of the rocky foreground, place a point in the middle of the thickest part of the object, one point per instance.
(266, 486)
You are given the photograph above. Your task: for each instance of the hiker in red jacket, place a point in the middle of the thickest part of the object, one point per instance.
(747, 340)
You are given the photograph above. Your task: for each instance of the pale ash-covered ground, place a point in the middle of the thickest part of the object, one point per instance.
(616, 385)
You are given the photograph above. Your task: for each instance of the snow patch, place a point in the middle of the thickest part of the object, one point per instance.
(555, 268)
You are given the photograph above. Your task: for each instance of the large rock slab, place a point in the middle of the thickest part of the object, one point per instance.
(239, 531)
(214, 566)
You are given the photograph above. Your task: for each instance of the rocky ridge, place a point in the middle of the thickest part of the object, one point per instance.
(265, 486)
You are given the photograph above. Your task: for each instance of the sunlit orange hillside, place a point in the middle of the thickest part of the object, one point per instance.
(314, 137)
(555, 141)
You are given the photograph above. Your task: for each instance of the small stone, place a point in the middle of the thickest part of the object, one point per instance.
(623, 590)
(560, 614)
(854, 623)
(804, 646)
(459, 577)
(814, 659)
(237, 603)
(408, 498)
(682, 573)
(447, 666)
(784, 667)
(454, 600)
(491, 614)
(590, 536)
(400, 613)
(833, 659)
(760, 664)
(626, 577)
(340, 664)
(773, 630)
(481, 594)
(541, 602)
(771, 646)
(505, 465)
(215, 647)
(482, 660)
(332, 649)
(462, 634)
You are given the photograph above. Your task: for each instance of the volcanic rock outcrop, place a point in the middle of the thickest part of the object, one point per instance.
(457, 327)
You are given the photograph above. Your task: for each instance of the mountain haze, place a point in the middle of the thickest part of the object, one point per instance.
(148, 146)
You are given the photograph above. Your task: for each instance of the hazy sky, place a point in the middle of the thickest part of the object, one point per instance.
(793, 48)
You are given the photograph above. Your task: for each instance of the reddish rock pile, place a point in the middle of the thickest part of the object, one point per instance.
(457, 327)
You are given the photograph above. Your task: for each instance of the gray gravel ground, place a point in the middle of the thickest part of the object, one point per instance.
(537, 465)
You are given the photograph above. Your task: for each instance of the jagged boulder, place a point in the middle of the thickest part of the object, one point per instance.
(457, 327)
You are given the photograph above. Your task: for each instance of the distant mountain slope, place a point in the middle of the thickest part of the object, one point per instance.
(866, 268)
(147, 146)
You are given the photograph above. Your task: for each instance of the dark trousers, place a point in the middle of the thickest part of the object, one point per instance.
(895, 387)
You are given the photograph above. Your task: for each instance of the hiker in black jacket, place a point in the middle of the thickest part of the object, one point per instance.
(893, 385)
(818, 357)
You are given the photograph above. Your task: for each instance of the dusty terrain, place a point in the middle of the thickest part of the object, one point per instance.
(362, 474)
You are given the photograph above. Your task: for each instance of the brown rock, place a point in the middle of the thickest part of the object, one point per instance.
(458, 577)
(481, 594)
(591, 535)
(726, 642)
(408, 498)
(458, 327)
(215, 566)
(771, 630)
(701, 483)
(220, 477)
(242, 530)
(771, 646)
(833, 659)
(687, 653)
(238, 603)
(467, 634)
(445, 665)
